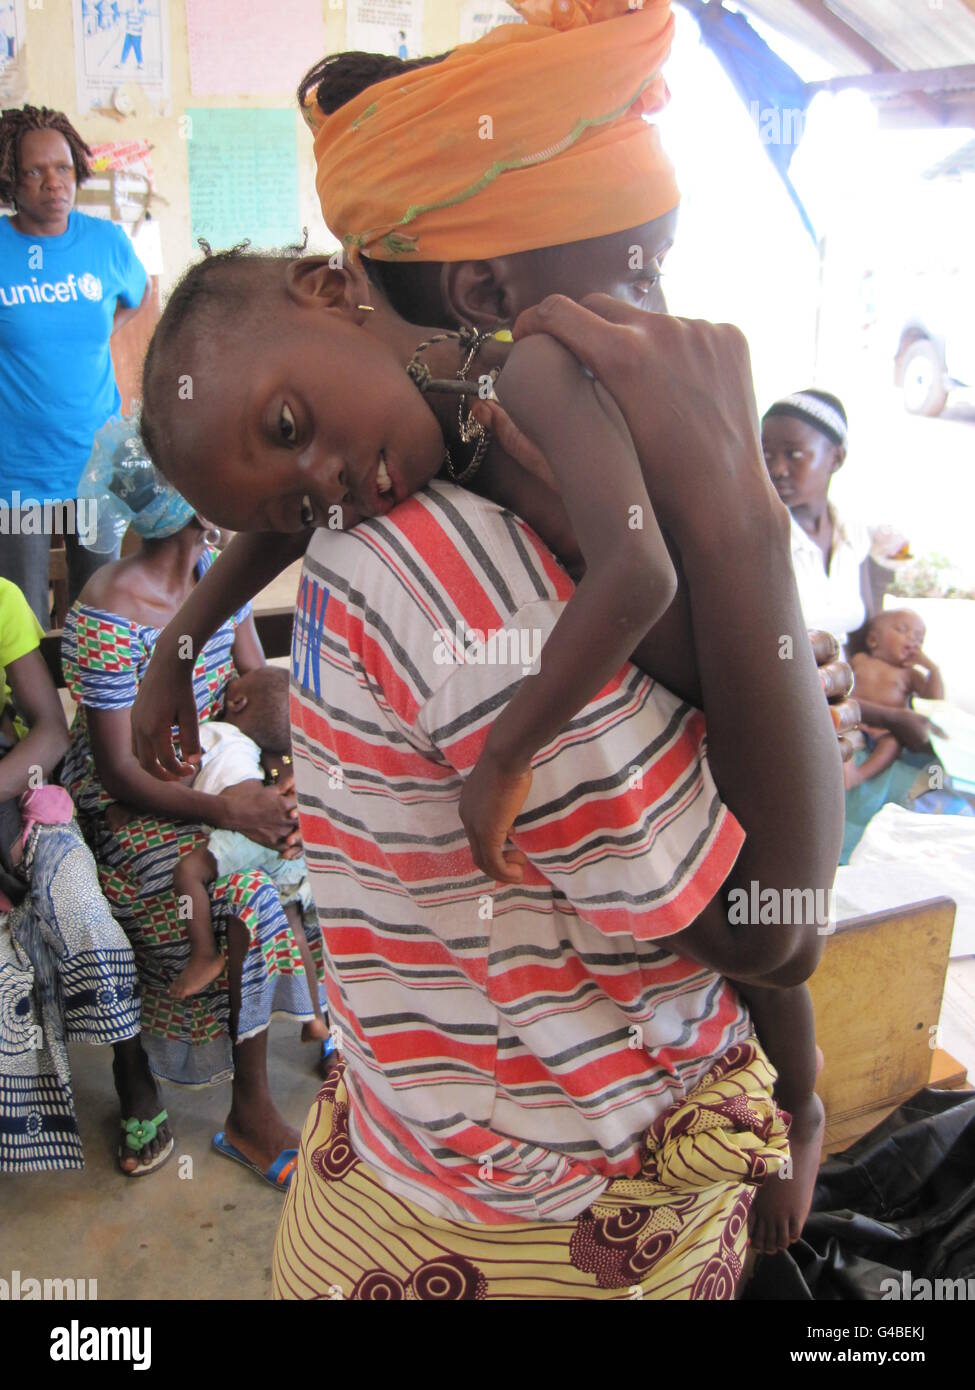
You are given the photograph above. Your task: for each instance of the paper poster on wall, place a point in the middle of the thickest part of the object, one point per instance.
(263, 49)
(385, 26)
(117, 43)
(243, 176)
(13, 52)
(121, 183)
(479, 17)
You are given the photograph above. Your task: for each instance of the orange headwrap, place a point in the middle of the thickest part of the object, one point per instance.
(532, 136)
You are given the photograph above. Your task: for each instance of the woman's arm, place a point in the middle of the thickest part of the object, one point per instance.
(123, 313)
(685, 389)
(911, 729)
(48, 738)
(262, 813)
(165, 696)
(629, 580)
(247, 650)
(874, 581)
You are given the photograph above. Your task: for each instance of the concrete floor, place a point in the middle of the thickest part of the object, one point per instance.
(204, 1236)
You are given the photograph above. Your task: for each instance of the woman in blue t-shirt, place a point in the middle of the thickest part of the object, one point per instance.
(67, 283)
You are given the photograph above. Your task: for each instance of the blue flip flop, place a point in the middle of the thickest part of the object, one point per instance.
(279, 1174)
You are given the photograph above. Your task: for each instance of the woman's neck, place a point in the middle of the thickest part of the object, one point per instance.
(170, 564)
(813, 517)
(817, 522)
(30, 226)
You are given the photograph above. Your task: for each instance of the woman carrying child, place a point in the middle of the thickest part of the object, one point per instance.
(139, 827)
(319, 452)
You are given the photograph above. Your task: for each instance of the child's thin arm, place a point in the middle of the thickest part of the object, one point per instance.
(629, 580)
(927, 682)
(165, 696)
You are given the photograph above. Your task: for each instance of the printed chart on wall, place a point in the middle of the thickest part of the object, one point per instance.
(13, 52)
(253, 50)
(479, 17)
(118, 43)
(385, 26)
(243, 176)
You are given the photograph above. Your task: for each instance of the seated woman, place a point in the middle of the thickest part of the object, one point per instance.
(840, 584)
(67, 973)
(139, 826)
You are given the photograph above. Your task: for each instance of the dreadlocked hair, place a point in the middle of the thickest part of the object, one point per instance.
(210, 298)
(15, 122)
(342, 76)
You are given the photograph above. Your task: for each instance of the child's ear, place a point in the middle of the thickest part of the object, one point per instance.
(237, 703)
(839, 455)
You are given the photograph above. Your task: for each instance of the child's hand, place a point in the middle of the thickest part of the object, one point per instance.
(489, 804)
(165, 699)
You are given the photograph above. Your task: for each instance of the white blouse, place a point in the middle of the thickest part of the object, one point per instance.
(831, 601)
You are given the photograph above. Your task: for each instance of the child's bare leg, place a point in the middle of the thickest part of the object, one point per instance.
(193, 872)
(317, 1029)
(886, 752)
(783, 1019)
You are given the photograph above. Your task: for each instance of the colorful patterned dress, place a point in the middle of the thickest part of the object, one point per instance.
(104, 657)
(66, 976)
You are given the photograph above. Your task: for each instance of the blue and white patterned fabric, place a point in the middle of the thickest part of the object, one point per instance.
(67, 974)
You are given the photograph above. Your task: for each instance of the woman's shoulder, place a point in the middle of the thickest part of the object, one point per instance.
(110, 590)
(100, 229)
(105, 618)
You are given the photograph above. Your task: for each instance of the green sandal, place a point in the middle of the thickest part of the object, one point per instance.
(136, 1135)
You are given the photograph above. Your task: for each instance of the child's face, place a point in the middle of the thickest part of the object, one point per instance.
(800, 460)
(314, 423)
(897, 637)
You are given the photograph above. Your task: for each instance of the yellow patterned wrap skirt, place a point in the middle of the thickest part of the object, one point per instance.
(676, 1230)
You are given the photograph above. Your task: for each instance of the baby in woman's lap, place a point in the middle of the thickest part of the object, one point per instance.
(250, 742)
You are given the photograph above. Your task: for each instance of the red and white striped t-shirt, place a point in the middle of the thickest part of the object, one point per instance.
(507, 1047)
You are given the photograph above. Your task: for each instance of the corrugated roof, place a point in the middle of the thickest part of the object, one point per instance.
(911, 34)
(960, 161)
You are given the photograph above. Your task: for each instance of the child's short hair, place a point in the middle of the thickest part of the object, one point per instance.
(209, 301)
(888, 613)
(268, 716)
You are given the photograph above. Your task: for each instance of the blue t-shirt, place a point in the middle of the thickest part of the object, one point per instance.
(57, 304)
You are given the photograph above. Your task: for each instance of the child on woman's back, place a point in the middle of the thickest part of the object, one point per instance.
(311, 420)
(251, 742)
(891, 671)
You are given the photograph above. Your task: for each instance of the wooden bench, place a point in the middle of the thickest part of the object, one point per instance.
(877, 995)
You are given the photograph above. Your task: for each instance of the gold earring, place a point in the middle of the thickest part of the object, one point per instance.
(366, 308)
